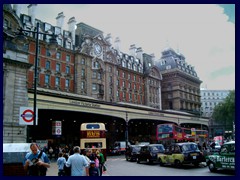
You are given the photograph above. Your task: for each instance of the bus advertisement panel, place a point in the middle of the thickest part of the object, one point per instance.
(93, 136)
(169, 133)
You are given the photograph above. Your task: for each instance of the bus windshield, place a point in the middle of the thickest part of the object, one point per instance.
(165, 128)
(169, 133)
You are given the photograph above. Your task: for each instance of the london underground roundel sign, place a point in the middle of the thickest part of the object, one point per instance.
(26, 116)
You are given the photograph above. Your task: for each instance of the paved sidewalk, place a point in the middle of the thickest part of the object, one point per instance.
(53, 170)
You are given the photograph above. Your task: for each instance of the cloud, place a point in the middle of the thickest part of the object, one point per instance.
(222, 72)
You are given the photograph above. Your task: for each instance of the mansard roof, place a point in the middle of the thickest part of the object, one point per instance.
(172, 60)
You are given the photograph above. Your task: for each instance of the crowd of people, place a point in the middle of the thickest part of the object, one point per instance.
(70, 161)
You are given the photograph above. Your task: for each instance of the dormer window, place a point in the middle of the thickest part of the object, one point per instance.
(57, 30)
(47, 27)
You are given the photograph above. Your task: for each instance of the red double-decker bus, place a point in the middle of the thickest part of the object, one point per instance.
(201, 135)
(196, 135)
(187, 135)
(169, 133)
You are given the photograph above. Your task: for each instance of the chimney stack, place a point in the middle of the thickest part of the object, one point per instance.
(60, 21)
(153, 58)
(132, 50)
(109, 39)
(32, 13)
(71, 27)
(117, 44)
(17, 8)
(140, 54)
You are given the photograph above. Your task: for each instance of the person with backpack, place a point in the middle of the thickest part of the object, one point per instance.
(36, 162)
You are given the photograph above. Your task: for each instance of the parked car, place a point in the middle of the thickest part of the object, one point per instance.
(181, 153)
(149, 153)
(225, 159)
(132, 151)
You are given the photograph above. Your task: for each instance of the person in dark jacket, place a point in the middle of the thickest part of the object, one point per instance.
(93, 170)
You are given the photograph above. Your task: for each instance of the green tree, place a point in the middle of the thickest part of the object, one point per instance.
(224, 113)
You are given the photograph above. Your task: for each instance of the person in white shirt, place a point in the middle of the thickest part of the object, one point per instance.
(78, 163)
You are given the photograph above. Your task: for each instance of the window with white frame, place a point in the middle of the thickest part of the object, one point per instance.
(67, 58)
(47, 78)
(83, 73)
(123, 83)
(82, 85)
(117, 94)
(168, 67)
(47, 64)
(83, 61)
(94, 87)
(94, 75)
(99, 76)
(67, 83)
(58, 55)
(58, 67)
(67, 70)
(57, 81)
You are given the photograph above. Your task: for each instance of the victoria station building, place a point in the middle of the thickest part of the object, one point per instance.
(89, 79)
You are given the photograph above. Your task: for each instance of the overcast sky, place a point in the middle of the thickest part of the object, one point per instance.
(204, 33)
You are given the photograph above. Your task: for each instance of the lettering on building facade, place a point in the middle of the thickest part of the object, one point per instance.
(87, 104)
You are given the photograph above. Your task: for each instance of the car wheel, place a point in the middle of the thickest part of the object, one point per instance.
(160, 162)
(196, 164)
(212, 167)
(149, 161)
(177, 163)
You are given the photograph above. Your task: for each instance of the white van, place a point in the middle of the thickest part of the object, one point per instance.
(119, 147)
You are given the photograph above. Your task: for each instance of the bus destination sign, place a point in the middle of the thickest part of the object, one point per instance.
(93, 134)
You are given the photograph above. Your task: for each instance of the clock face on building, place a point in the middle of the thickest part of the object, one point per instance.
(97, 49)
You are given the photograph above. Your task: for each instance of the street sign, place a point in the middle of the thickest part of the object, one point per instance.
(26, 116)
(57, 128)
(193, 131)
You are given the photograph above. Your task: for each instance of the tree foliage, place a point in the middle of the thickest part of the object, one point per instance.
(224, 113)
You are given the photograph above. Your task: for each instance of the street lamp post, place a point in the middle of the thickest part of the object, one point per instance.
(35, 77)
(126, 135)
(20, 41)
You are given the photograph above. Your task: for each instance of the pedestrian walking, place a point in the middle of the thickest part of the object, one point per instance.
(78, 163)
(50, 151)
(36, 162)
(61, 162)
(101, 160)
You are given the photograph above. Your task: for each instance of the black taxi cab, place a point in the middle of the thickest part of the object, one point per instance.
(132, 151)
(224, 159)
(181, 153)
(149, 153)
